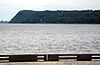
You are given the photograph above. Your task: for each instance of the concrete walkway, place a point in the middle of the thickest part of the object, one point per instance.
(54, 63)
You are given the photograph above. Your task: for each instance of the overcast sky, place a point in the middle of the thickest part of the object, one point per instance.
(8, 8)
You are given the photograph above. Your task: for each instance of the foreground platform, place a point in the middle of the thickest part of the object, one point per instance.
(54, 63)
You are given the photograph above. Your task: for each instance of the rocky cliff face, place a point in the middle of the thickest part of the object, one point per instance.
(29, 16)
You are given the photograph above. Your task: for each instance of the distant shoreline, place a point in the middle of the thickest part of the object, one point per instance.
(57, 17)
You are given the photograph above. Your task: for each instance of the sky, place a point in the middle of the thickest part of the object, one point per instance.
(9, 8)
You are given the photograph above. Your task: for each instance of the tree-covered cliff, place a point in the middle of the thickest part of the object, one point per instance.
(59, 16)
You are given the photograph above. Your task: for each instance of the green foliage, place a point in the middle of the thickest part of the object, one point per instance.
(59, 16)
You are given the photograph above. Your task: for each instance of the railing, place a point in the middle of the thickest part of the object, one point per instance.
(49, 57)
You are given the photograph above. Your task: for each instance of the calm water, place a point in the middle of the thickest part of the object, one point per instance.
(49, 38)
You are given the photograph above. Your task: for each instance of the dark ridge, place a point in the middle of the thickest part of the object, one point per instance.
(59, 16)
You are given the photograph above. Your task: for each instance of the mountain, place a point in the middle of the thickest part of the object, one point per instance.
(4, 21)
(59, 16)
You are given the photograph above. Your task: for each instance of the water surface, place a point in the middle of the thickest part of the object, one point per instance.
(49, 38)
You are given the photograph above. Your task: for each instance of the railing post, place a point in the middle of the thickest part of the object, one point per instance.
(84, 57)
(52, 57)
(22, 58)
(45, 58)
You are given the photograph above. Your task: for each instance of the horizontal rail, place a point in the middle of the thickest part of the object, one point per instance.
(48, 57)
(67, 57)
(4, 58)
(95, 57)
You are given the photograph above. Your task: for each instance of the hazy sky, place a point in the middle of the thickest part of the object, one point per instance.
(8, 8)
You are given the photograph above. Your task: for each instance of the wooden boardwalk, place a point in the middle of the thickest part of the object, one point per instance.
(54, 63)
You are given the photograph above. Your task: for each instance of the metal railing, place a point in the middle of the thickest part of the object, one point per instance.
(49, 57)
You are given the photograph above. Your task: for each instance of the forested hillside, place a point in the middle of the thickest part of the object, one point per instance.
(59, 16)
